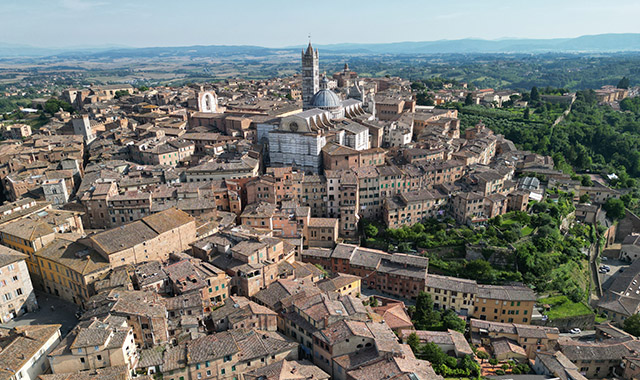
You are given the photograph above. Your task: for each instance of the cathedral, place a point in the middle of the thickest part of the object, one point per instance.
(317, 94)
(298, 139)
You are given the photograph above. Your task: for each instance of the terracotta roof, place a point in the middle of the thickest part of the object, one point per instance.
(20, 344)
(288, 370)
(111, 373)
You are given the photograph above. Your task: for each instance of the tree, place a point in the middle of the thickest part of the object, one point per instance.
(53, 105)
(450, 320)
(584, 198)
(632, 325)
(623, 83)
(371, 230)
(425, 316)
(535, 94)
(143, 88)
(527, 113)
(414, 342)
(434, 354)
(479, 270)
(586, 180)
(468, 100)
(469, 364)
(121, 93)
(482, 355)
(522, 368)
(614, 208)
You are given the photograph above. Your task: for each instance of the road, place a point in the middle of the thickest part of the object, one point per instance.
(616, 266)
(63, 312)
(587, 335)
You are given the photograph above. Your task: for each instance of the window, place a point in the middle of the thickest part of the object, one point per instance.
(99, 357)
(81, 360)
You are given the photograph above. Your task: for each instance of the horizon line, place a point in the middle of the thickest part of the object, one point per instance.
(114, 45)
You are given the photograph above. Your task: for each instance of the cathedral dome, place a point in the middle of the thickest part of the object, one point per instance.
(325, 99)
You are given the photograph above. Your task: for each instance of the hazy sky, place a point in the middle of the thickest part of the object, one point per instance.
(278, 23)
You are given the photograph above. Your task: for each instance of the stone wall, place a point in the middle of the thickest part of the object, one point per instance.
(630, 223)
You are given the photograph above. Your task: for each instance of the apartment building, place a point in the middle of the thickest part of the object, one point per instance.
(69, 269)
(397, 274)
(453, 293)
(532, 339)
(24, 350)
(99, 345)
(409, 208)
(505, 304)
(16, 291)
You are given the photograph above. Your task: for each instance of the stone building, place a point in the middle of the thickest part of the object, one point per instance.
(532, 339)
(239, 313)
(55, 191)
(397, 274)
(153, 237)
(323, 232)
(98, 345)
(24, 350)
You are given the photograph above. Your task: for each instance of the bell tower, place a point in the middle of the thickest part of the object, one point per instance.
(310, 75)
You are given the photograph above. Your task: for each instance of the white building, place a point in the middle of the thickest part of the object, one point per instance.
(82, 127)
(55, 191)
(16, 291)
(25, 349)
(356, 135)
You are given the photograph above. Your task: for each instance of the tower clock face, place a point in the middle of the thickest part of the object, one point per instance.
(293, 126)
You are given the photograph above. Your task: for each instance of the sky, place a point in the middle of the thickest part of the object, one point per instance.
(281, 23)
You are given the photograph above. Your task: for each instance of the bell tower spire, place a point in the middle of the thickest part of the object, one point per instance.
(310, 74)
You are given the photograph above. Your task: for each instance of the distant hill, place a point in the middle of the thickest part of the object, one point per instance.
(602, 43)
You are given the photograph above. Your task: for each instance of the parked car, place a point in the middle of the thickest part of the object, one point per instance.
(575, 331)
(604, 258)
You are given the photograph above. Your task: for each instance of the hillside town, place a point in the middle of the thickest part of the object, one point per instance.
(224, 231)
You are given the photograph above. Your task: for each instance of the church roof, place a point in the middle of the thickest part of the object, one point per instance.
(326, 99)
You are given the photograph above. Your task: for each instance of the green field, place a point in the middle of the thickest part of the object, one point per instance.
(562, 307)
